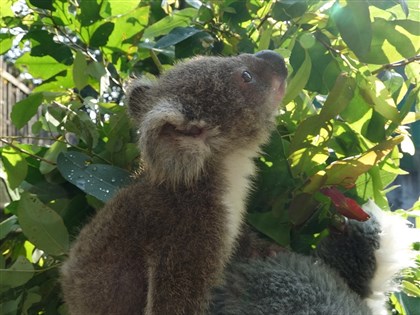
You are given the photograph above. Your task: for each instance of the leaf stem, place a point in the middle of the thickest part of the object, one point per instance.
(156, 60)
(397, 64)
(26, 152)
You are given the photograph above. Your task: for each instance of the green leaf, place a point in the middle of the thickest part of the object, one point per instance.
(43, 43)
(180, 18)
(287, 10)
(51, 155)
(128, 26)
(63, 81)
(43, 4)
(378, 187)
(18, 274)
(375, 131)
(175, 36)
(6, 41)
(303, 207)
(99, 180)
(80, 76)
(40, 67)
(84, 127)
(24, 110)
(117, 132)
(96, 70)
(339, 97)
(411, 288)
(410, 304)
(6, 8)
(236, 12)
(353, 22)
(357, 113)
(42, 225)
(118, 9)
(392, 41)
(376, 94)
(299, 80)
(272, 226)
(101, 34)
(265, 36)
(89, 12)
(15, 166)
(31, 298)
(10, 307)
(345, 172)
(307, 40)
(7, 226)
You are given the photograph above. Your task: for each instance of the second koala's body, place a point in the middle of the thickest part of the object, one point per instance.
(350, 273)
(162, 243)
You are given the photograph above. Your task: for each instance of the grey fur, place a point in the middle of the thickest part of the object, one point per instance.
(334, 281)
(161, 244)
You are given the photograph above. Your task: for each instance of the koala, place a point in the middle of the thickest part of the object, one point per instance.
(161, 244)
(349, 273)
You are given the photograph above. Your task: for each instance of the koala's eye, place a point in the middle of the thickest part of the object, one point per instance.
(246, 76)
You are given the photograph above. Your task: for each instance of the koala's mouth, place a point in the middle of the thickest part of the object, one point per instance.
(278, 89)
(193, 131)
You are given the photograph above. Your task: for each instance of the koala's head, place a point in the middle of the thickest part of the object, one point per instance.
(203, 109)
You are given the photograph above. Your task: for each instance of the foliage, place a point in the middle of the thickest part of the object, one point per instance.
(352, 90)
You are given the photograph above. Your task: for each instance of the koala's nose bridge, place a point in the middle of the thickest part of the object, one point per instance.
(274, 59)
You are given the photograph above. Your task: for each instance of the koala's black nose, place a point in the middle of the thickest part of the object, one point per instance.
(275, 60)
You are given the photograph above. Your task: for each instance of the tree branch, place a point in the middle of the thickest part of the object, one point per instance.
(10, 144)
(397, 64)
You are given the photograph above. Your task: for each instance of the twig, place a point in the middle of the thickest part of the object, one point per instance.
(336, 52)
(397, 64)
(156, 60)
(26, 152)
(31, 137)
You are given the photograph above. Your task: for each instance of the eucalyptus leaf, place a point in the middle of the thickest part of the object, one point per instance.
(376, 94)
(18, 274)
(99, 180)
(7, 226)
(6, 42)
(410, 304)
(346, 172)
(270, 225)
(44, 43)
(299, 79)
(287, 10)
(43, 4)
(101, 35)
(181, 18)
(353, 21)
(89, 12)
(80, 70)
(14, 165)
(24, 110)
(43, 67)
(42, 225)
(127, 27)
(175, 36)
(51, 155)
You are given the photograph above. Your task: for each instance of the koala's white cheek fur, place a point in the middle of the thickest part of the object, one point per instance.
(239, 168)
(393, 255)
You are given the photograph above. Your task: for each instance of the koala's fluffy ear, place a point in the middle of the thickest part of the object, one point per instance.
(174, 149)
(139, 98)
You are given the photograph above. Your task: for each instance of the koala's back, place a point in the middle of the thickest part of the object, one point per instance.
(117, 240)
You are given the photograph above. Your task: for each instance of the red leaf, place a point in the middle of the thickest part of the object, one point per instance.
(345, 206)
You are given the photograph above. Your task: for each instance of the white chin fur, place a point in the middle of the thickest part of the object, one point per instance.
(394, 254)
